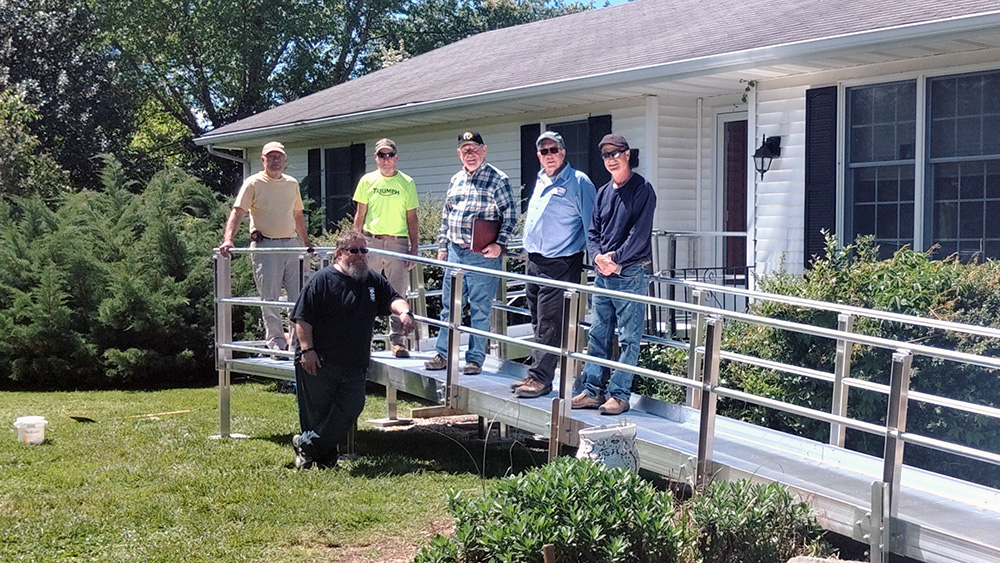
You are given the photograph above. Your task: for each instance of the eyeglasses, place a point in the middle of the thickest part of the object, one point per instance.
(553, 150)
(469, 150)
(362, 250)
(385, 155)
(610, 155)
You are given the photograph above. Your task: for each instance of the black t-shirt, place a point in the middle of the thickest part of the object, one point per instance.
(342, 312)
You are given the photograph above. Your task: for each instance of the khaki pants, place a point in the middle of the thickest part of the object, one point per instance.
(271, 273)
(395, 271)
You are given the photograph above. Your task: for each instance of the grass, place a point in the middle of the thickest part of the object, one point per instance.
(157, 489)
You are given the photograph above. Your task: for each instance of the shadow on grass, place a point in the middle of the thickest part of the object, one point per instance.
(433, 448)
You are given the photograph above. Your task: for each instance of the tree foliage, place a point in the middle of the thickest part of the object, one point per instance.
(51, 59)
(112, 288)
(25, 168)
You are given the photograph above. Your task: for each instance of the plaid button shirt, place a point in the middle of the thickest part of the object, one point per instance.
(484, 194)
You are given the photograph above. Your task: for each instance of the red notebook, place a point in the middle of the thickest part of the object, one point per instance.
(484, 233)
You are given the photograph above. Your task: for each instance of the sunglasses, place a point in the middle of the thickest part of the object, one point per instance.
(385, 154)
(610, 155)
(553, 150)
(362, 250)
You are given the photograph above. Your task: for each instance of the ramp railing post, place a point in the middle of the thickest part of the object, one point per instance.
(841, 371)
(671, 288)
(498, 318)
(706, 427)
(223, 335)
(895, 426)
(560, 427)
(696, 334)
(454, 337)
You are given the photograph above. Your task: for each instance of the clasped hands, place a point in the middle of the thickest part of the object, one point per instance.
(605, 265)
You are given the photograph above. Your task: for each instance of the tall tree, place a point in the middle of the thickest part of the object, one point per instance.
(211, 62)
(49, 57)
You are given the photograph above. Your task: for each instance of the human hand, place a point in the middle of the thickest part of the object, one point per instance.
(442, 254)
(406, 319)
(492, 250)
(413, 252)
(224, 248)
(310, 361)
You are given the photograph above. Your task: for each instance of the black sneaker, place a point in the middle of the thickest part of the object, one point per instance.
(302, 461)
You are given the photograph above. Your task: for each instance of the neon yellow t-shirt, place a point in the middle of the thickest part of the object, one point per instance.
(388, 200)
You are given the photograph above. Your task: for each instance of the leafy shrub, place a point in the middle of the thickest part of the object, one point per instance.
(588, 512)
(746, 522)
(593, 514)
(912, 283)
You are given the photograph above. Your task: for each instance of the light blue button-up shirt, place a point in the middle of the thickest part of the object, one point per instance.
(559, 213)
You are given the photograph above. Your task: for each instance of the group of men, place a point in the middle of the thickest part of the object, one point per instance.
(334, 315)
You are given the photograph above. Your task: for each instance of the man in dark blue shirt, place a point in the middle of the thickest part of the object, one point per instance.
(620, 240)
(334, 319)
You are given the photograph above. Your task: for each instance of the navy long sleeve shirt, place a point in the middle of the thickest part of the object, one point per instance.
(623, 222)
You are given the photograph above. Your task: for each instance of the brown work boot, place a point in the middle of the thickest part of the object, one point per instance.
(436, 363)
(532, 389)
(585, 401)
(614, 406)
(516, 384)
(400, 351)
(473, 368)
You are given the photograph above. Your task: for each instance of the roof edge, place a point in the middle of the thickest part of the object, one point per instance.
(732, 60)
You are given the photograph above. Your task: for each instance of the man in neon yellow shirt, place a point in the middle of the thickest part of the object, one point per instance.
(273, 200)
(387, 214)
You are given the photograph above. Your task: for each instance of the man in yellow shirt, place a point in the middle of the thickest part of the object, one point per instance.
(274, 202)
(387, 214)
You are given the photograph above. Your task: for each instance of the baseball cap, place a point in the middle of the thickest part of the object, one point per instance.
(272, 147)
(470, 137)
(385, 144)
(552, 136)
(615, 140)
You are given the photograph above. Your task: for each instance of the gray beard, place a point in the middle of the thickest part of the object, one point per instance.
(355, 271)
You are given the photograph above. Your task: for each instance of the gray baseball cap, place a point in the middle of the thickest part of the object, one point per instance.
(552, 136)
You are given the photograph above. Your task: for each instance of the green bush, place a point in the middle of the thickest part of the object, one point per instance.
(589, 513)
(746, 522)
(110, 288)
(593, 514)
(912, 283)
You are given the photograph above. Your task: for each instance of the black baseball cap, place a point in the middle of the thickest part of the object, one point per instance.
(470, 137)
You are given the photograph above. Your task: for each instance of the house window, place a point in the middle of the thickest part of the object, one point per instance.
(964, 164)
(881, 137)
(576, 135)
(961, 165)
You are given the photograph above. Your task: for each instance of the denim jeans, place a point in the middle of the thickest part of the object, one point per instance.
(478, 290)
(329, 403)
(610, 316)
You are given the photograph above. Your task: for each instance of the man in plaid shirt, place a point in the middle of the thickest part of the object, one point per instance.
(478, 191)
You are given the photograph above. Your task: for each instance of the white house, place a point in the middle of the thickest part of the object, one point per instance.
(888, 113)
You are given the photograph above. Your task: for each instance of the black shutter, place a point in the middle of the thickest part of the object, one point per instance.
(357, 165)
(529, 162)
(821, 168)
(599, 126)
(313, 181)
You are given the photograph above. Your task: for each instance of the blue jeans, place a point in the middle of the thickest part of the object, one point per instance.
(478, 290)
(329, 403)
(609, 316)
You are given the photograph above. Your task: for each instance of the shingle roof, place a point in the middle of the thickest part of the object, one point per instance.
(633, 35)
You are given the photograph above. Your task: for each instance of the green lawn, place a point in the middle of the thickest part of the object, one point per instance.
(158, 489)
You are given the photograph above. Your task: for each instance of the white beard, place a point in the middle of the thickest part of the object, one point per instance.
(355, 270)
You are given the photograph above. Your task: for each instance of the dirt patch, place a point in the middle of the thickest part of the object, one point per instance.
(389, 549)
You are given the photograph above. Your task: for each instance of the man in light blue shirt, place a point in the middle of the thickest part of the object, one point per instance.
(555, 237)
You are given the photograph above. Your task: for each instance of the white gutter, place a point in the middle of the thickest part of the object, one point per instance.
(215, 152)
(687, 68)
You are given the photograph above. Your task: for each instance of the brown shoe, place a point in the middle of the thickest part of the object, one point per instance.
(585, 401)
(532, 389)
(614, 406)
(516, 384)
(473, 368)
(436, 363)
(400, 351)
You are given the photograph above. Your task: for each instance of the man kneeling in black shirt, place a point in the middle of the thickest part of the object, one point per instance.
(334, 319)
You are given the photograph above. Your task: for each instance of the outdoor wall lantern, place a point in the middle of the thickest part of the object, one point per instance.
(770, 147)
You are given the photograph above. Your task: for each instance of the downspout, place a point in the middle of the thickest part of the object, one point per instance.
(752, 186)
(699, 165)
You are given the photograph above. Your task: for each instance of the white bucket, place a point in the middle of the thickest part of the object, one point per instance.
(30, 429)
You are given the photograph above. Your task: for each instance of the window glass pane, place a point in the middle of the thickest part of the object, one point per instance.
(943, 138)
(861, 106)
(970, 220)
(993, 179)
(864, 185)
(906, 222)
(970, 184)
(864, 220)
(943, 97)
(968, 139)
(970, 95)
(886, 223)
(946, 221)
